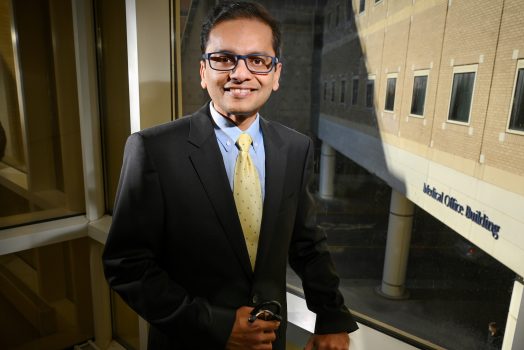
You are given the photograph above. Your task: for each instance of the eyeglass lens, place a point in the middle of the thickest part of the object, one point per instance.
(255, 63)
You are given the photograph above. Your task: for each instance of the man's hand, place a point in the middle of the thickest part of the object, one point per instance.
(258, 335)
(337, 341)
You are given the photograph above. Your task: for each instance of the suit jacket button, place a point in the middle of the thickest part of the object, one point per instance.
(255, 299)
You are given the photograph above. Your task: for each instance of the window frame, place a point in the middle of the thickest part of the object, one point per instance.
(470, 68)
(520, 66)
(419, 73)
(390, 76)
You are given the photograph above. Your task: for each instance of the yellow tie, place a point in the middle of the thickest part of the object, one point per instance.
(248, 196)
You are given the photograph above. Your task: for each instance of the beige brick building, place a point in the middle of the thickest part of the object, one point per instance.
(457, 140)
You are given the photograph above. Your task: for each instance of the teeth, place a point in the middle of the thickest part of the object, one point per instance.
(240, 92)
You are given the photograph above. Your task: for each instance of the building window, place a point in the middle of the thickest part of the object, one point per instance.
(516, 120)
(325, 91)
(418, 98)
(462, 94)
(337, 15)
(349, 10)
(362, 6)
(390, 92)
(342, 91)
(333, 91)
(354, 91)
(370, 90)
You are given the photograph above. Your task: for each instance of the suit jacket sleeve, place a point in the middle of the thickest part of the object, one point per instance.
(133, 255)
(310, 259)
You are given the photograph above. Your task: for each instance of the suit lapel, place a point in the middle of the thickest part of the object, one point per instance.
(208, 163)
(275, 173)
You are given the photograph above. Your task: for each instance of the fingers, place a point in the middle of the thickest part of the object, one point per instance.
(258, 335)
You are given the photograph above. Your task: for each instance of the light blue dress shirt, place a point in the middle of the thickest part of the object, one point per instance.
(227, 134)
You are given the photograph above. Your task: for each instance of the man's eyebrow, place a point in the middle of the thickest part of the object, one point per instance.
(256, 53)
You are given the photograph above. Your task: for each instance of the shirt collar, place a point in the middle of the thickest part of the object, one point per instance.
(227, 132)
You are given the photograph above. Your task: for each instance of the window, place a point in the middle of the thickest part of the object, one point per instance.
(354, 91)
(516, 120)
(333, 91)
(325, 91)
(40, 156)
(390, 92)
(342, 91)
(337, 15)
(328, 21)
(362, 6)
(462, 94)
(349, 10)
(370, 90)
(418, 99)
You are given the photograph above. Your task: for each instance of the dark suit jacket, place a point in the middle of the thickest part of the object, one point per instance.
(176, 252)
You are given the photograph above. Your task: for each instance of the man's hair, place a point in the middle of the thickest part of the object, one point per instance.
(230, 10)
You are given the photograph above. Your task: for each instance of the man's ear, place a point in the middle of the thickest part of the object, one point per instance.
(276, 77)
(203, 74)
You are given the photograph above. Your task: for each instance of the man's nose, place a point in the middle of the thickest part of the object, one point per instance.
(241, 72)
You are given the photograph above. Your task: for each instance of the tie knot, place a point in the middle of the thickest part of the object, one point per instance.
(244, 141)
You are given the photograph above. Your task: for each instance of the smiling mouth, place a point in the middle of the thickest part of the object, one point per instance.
(236, 92)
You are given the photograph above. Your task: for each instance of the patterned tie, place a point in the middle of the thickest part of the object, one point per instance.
(248, 196)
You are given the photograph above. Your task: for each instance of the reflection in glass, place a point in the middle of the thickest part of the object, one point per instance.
(45, 297)
(517, 111)
(419, 95)
(40, 167)
(370, 90)
(390, 94)
(461, 95)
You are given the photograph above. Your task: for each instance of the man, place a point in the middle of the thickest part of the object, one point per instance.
(202, 228)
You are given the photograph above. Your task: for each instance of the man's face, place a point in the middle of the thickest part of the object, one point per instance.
(239, 92)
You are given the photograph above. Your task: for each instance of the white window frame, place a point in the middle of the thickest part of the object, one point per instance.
(470, 68)
(419, 73)
(390, 76)
(520, 65)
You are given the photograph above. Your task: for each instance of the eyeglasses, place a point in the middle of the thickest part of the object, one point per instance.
(223, 61)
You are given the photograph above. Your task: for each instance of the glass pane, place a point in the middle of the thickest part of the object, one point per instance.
(362, 6)
(461, 95)
(354, 97)
(342, 91)
(45, 297)
(370, 89)
(40, 157)
(390, 94)
(517, 111)
(419, 95)
(349, 10)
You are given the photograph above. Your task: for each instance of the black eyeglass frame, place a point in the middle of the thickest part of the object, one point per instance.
(274, 61)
